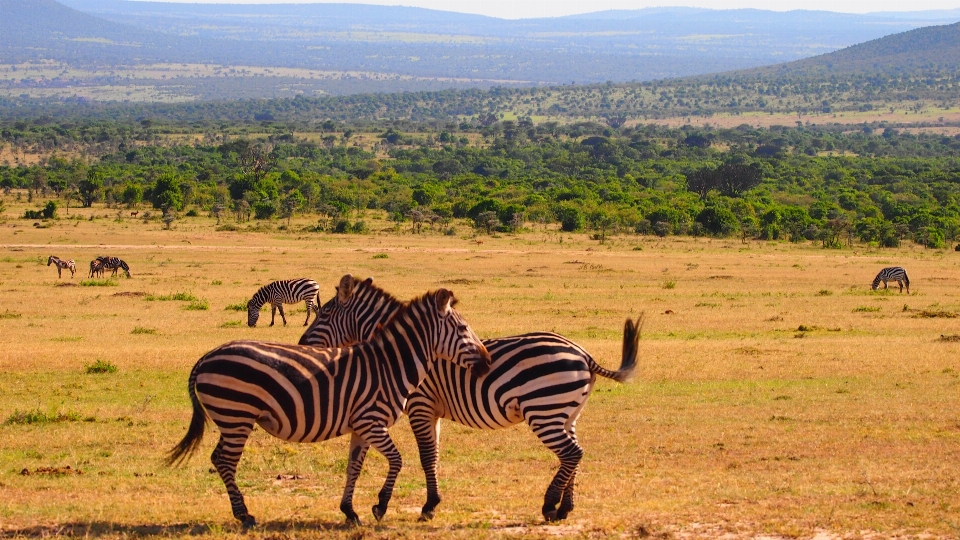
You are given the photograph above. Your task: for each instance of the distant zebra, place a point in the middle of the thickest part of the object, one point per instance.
(113, 263)
(96, 268)
(307, 394)
(61, 265)
(278, 293)
(893, 273)
(541, 378)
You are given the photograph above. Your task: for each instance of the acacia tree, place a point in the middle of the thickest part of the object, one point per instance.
(90, 187)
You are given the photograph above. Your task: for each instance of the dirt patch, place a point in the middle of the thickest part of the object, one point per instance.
(53, 471)
(953, 338)
(130, 293)
(929, 314)
(65, 284)
(460, 281)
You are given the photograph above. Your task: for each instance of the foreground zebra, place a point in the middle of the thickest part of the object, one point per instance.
(541, 378)
(893, 273)
(61, 265)
(308, 394)
(278, 293)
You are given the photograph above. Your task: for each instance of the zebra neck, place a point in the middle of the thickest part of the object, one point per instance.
(403, 354)
(380, 316)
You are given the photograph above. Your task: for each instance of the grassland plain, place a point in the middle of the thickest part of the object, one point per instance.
(776, 395)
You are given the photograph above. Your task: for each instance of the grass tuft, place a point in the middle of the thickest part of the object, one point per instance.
(825, 292)
(669, 284)
(232, 324)
(197, 305)
(109, 282)
(7, 314)
(100, 367)
(36, 416)
(236, 307)
(178, 297)
(381, 256)
(866, 309)
(143, 330)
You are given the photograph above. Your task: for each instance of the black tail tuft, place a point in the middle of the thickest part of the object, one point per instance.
(191, 441)
(631, 348)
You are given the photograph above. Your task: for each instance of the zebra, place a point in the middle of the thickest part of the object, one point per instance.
(113, 263)
(96, 268)
(892, 273)
(308, 394)
(278, 293)
(61, 264)
(541, 378)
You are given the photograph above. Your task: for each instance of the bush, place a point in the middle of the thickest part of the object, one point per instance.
(100, 367)
(264, 210)
(571, 218)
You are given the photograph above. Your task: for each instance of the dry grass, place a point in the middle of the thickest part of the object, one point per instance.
(733, 426)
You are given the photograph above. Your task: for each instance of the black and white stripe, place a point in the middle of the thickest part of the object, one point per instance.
(892, 273)
(308, 394)
(61, 265)
(541, 378)
(101, 264)
(278, 293)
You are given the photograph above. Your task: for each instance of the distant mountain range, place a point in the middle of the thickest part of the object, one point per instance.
(615, 46)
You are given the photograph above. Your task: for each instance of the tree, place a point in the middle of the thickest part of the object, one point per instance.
(487, 221)
(166, 193)
(132, 195)
(90, 187)
(702, 181)
(737, 178)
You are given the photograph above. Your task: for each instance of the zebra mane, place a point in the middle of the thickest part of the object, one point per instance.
(429, 296)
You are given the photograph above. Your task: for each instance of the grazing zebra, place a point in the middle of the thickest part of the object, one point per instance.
(96, 268)
(541, 378)
(893, 273)
(61, 265)
(308, 394)
(278, 293)
(113, 263)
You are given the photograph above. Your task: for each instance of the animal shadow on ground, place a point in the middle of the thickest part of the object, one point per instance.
(97, 529)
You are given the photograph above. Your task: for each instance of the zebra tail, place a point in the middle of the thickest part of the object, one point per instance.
(628, 360)
(906, 279)
(191, 441)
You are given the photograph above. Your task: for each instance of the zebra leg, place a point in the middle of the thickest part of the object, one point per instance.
(273, 313)
(225, 458)
(282, 316)
(565, 446)
(309, 309)
(358, 451)
(900, 283)
(426, 428)
(378, 437)
(566, 501)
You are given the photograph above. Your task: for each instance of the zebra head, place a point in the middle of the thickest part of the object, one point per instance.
(50, 260)
(339, 320)
(457, 342)
(253, 312)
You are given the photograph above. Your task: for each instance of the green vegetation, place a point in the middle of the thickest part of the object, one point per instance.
(143, 330)
(109, 282)
(37, 416)
(179, 297)
(100, 367)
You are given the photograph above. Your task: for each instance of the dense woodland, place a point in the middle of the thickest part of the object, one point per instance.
(830, 185)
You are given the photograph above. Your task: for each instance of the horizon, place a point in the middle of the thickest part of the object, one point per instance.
(532, 9)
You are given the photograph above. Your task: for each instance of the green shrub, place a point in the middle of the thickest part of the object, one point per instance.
(236, 307)
(197, 305)
(142, 330)
(109, 282)
(100, 367)
(37, 416)
(381, 256)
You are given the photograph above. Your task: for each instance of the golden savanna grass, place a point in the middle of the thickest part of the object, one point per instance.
(776, 394)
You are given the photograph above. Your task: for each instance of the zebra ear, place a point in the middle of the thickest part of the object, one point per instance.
(345, 290)
(444, 298)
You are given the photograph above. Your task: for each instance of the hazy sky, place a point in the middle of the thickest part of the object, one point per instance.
(516, 9)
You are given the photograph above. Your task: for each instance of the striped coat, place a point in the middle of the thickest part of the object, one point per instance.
(307, 394)
(61, 265)
(892, 273)
(278, 293)
(541, 378)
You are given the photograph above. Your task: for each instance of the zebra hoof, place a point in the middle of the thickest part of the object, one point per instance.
(562, 513)
(378, 512)
(550, 516)
(426, 516)
(248, 522)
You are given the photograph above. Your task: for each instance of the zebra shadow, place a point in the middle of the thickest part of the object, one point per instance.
(97, 529)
